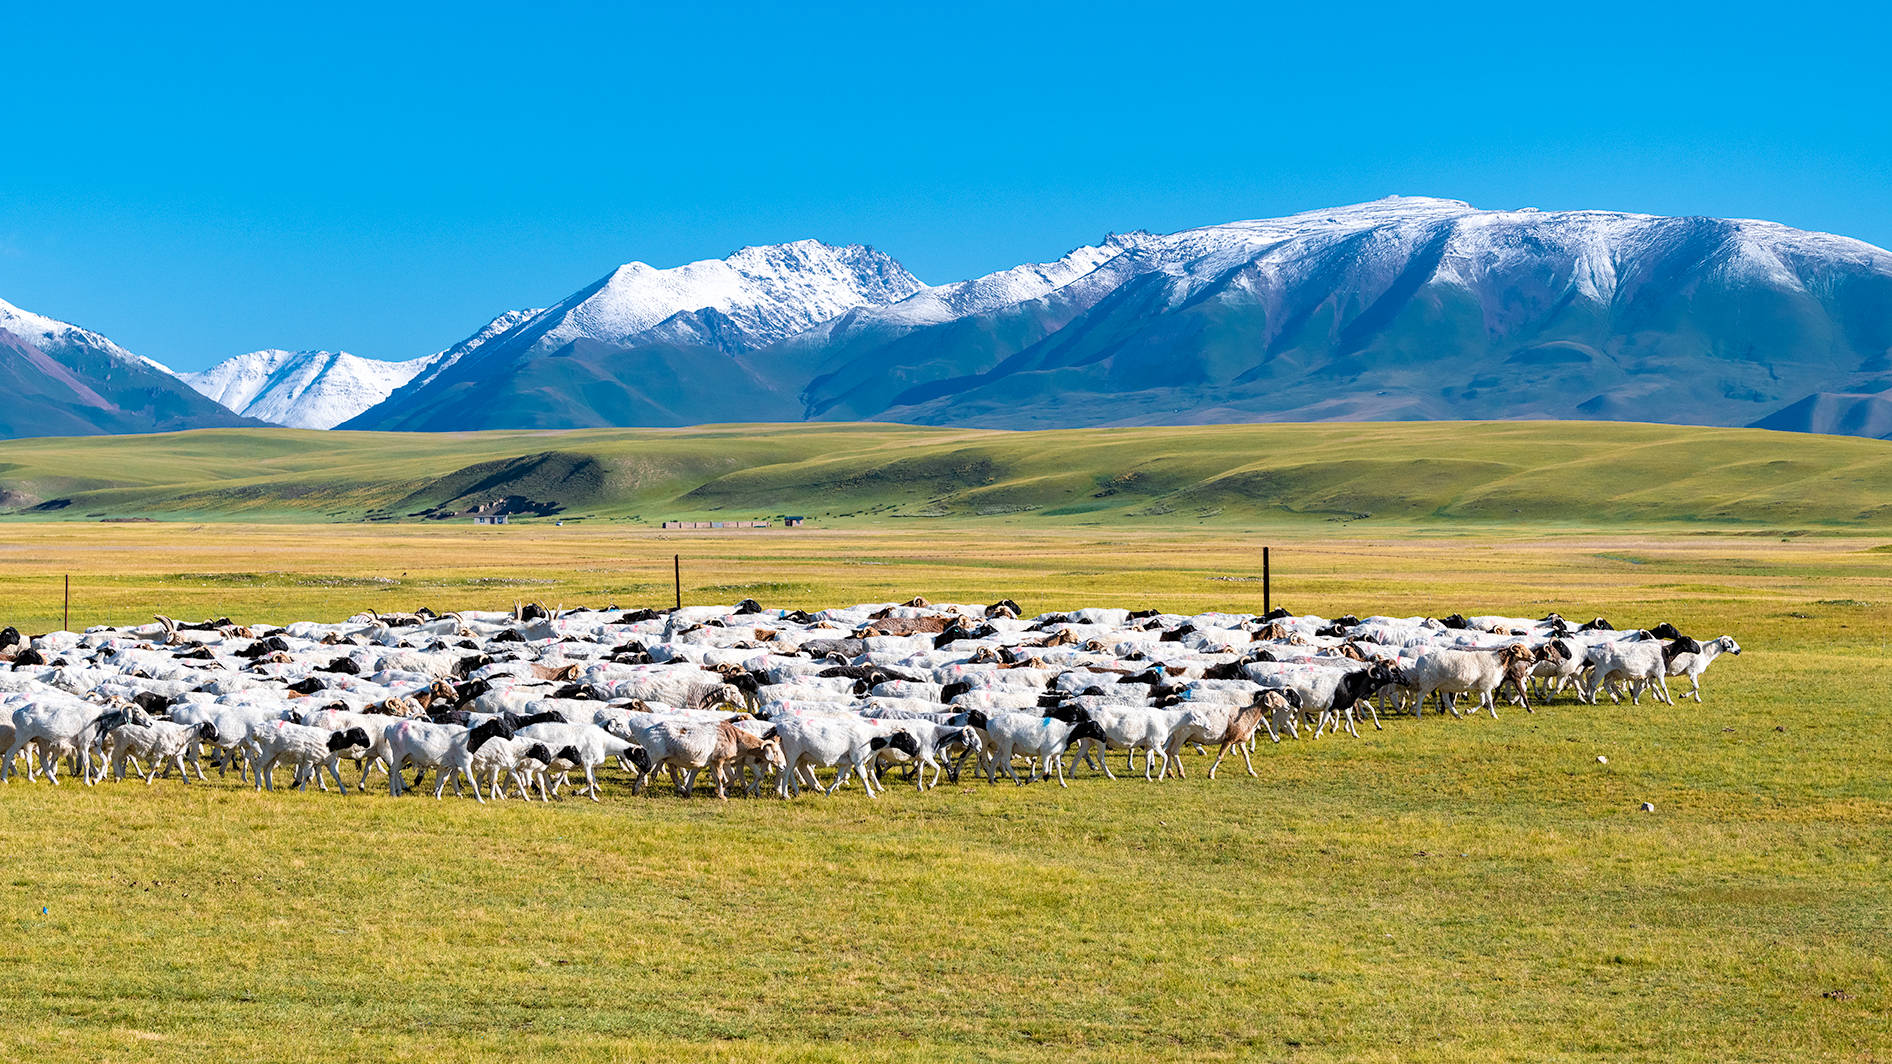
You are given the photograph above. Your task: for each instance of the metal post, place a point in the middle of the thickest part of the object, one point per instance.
(68, 626)
(1267, 593)
(676, 567)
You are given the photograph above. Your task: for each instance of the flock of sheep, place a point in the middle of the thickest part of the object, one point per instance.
(535, 700)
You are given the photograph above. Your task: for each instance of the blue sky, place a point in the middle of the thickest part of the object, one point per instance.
(199, 181)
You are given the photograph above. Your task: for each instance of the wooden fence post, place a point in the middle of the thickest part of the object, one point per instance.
(1267, 595)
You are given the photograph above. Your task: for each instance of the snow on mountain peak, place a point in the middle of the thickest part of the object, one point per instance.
(303, 389)
(768, 292)
(42, 332)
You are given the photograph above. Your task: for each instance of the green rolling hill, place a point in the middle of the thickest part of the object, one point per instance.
(1570, 473)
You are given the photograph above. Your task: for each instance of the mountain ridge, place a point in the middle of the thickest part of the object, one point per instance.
(1414, 308)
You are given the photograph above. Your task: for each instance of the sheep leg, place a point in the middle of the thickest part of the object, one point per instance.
(1251, 765)
(1006, 764)
(1058, 760)
(840, 777)
(1219, 755)
(6, 766)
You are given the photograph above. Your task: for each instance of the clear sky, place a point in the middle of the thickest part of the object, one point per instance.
(198, 181)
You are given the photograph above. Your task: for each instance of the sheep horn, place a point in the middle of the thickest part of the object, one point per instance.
(169, 624)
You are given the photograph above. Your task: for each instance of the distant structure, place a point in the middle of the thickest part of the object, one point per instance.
(490, 519)
(715, 524)
(793, 522)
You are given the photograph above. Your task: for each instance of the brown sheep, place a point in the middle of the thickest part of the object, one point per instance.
(1241, 728)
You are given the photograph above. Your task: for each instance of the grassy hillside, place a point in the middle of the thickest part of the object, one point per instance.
(1495, 472)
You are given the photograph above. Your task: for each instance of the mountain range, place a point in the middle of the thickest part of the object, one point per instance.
(1403, 308)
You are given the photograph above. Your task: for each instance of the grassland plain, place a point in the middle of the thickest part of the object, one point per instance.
(1442, 890)
(1549, 473)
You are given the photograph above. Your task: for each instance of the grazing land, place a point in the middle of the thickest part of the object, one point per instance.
(1441, 890)
(1386, 474)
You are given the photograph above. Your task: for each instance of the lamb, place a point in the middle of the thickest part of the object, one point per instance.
(932, 739)
(467, 755)
(515, 758)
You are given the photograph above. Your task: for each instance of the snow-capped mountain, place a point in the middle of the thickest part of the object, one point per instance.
(58, 379)
(322, 389)
(1400, 308)
(653, 346)
(758, 295)
(1411, 308)
(441, 361)
(50, 335)
(302, 389)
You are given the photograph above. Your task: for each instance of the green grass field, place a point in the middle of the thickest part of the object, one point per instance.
(1443, 890)
(1379, 474)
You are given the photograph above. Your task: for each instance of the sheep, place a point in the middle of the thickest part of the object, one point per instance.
(161, 743)
(1693, 663)
(1043, 739)
(592, 743)
(1479, 672)
(467, 755)
(60, 726)
(1133, 728)
(1240, 729)
(308, 749)
(424, 744)
(1639, 663)
(848, 743)
(690, 748)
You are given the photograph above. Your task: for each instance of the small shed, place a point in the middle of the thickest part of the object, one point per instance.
(490, 519)
(793, 522)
